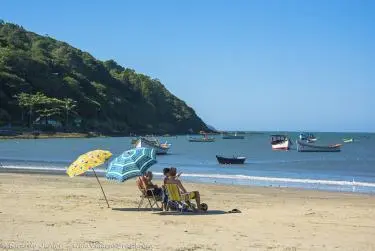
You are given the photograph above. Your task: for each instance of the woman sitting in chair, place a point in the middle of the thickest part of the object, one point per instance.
(173, 179)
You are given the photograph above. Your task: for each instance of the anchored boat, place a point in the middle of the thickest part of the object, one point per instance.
(153, 143)
(348, 140)
(306, 136)
(307, 147)
(230, 160)
(280, 142)
(203, 139)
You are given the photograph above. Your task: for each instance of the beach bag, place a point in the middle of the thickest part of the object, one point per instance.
(174, 205)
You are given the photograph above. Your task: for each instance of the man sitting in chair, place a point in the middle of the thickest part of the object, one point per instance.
(173, 179)
(147, 181)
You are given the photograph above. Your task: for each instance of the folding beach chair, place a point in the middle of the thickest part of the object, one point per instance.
(174, 196)
(147, 194)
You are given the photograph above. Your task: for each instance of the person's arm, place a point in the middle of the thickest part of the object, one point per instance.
(151, 185)
(182, 188)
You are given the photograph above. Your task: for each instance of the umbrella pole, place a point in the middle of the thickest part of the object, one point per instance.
(100, 186)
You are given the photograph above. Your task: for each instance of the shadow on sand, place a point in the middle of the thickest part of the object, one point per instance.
(136, 209)
(158, 211)
(177, 213)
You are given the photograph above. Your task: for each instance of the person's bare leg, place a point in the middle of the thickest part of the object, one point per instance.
(198, 199)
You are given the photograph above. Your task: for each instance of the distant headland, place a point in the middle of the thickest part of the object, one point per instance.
(50, 87)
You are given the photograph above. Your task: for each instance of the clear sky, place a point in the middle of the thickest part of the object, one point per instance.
(242, 65)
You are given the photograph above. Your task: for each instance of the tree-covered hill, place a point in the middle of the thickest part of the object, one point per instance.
(42, 78)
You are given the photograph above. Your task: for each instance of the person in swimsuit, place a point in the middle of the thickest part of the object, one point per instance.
(173, 179)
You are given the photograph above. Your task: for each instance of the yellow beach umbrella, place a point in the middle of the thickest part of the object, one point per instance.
(88, 161)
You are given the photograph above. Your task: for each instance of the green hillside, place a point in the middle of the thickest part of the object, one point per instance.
(42, 79)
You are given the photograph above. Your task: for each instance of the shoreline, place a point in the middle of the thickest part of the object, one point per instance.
(69, 213)
(89, 174)
(58, 135)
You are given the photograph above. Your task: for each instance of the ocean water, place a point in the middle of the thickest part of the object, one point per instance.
(351, 170)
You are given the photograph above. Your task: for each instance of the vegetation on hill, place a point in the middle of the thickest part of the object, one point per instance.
(42, 79)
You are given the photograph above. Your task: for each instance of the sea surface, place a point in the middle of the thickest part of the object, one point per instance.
(351, 170)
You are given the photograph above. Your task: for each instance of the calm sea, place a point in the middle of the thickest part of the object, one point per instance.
(352, 169)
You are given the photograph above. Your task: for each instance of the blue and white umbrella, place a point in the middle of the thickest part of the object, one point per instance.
(131, 163)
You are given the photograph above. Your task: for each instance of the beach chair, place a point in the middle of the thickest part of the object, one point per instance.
(149, 196)
(174, 196)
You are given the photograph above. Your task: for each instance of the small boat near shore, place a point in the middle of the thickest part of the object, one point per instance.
(308, 147)
(280, 142)
(230, 160)
(153, 143)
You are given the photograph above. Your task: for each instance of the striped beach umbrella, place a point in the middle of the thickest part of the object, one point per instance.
(131, 163)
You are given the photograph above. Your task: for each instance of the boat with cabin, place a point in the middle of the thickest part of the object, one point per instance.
(230, 160)
(303, 146)
(280, 142)
(151, 142)
(307, 136)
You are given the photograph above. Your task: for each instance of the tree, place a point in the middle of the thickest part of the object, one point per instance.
(68, 105)
(46, 113)
(29, 101)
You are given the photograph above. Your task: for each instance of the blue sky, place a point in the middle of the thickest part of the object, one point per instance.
(242, 65)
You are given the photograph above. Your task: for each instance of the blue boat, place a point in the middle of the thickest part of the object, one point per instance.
(308, 137)
(230, 160)
(302, 146)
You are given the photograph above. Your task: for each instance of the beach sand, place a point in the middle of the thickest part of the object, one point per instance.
(45, 212)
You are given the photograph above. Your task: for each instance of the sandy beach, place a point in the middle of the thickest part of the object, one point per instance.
(45, 212)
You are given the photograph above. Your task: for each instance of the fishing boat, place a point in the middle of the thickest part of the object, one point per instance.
(204, 139)
(303, 146)
(230, 160)
(280, 142)
(153, 143)
(233, 136)
(306, 136)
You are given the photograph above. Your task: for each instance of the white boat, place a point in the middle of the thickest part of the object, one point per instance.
(153, 143)
(280, 142)
(348, 140)
(307, 147)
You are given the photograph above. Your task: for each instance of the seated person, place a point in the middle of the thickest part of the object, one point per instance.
(166, 174)
(165, 196)
(146, 180)
(173, 179)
